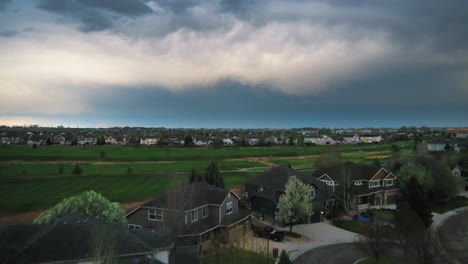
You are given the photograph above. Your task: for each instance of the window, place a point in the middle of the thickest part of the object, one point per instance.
(374, 184)
(134, 227)
(194, 215)
(331, 183)
(260, 188)
(388, 182)
(229, 208)
(358, 183)
(204, 211)
(312, 192)
(155, 214)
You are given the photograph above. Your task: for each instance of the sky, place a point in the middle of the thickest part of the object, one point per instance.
(234, 64)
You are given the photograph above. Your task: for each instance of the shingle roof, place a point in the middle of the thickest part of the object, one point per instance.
(200, 194)
(33, 243)
(276, 178)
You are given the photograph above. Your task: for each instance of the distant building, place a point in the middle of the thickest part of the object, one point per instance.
(148, 141)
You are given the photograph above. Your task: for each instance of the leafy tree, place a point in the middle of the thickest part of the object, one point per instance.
(100, 140)
(295, 204)
(61, 170)
(395, 149)
(34, 146)
(413, 193)
(195, 176)
(284, 258)
(213, 175)
(376, 163)
(188, 141)
(411, 170)
(291, 141)
(217, 143)
(77, 170)
(88, 203)
(417, 143)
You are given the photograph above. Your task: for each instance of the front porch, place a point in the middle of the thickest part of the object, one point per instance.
(379, 200)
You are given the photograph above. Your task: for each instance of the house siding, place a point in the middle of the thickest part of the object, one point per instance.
(235, 205)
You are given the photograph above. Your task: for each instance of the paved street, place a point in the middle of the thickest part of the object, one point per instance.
(453, 235)
(345, 253)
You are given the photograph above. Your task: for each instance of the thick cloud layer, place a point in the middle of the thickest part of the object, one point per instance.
(317, 50)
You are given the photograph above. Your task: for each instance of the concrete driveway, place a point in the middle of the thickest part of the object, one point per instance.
(320, 234)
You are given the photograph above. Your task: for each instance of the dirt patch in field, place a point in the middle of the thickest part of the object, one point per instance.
(26, 218)
(377, 157)
(266, 160)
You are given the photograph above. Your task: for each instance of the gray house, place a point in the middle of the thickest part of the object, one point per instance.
(369, 185)
(263, 192)
(195, 212)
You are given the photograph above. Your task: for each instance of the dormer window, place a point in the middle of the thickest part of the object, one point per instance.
(358, 183)
(260, 188)
(375, 183)
(388, 182)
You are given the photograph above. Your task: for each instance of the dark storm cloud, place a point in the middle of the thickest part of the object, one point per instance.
(95, 15)
(8, 33)
(4, 4)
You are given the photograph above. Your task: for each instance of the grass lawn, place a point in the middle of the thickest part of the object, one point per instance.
(354, 225)
(26, 195)
(385, 260)
(453, 203)
(144, 153)
(239, 256)
(292, 234)
(43, 187)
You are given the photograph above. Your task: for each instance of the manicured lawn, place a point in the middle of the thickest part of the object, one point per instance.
(239, 256)
(386, 260)
(47, 169)
(453, 203)
(143, 153)
(25, 195)
(38, 184)
(354, 225)
(292, 234)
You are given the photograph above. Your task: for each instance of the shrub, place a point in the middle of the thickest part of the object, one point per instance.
(87, 203)
(77, 170)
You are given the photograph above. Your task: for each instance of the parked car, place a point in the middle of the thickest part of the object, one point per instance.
(268, 232)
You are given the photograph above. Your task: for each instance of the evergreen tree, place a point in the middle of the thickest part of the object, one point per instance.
(188, 141)
(376, 163)
(49, 141)
(284, 258)
(77, 170)
(213, 175)
(195, 176)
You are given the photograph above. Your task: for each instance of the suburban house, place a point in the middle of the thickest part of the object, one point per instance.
(458, 172)
(227, 142)
(78, 239)
(202, 141)
(36, 139)
(148, 141)
(370, 139)
(11, 138)
(111, 140)
(439, 145)
(253, 141)
(369, 185)
(87, 141)
(319, 140)
(194, 213)
(263, 192)
(459, 133)
(351, 140)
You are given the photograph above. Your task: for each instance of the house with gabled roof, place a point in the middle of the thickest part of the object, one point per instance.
(82, 239)
(370, 185)
(264, 190)
(194, 212)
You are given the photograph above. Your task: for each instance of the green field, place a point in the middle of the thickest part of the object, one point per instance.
(30, 179)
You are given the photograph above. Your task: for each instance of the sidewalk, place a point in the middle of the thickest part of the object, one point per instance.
(438, 219)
